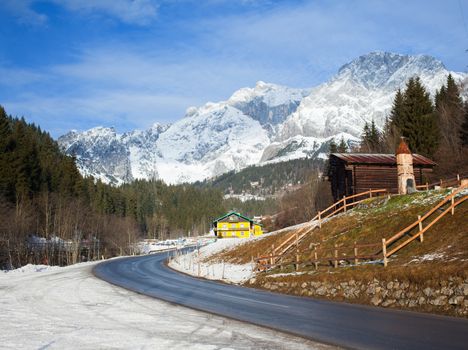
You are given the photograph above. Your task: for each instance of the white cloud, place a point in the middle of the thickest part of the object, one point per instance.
(22, 10)
(140, 12)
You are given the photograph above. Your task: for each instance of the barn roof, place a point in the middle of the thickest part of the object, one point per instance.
(380, 159)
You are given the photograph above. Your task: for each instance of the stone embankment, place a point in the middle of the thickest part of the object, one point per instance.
(449, 297)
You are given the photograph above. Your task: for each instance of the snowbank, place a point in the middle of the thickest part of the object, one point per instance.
(192, 263)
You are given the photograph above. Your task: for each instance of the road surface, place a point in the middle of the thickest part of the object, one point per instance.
(348, 325)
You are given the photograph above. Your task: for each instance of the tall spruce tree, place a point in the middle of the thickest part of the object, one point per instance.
(449, 111)
(342, 147)
(464, 127)
(396, 113)
(371, 139)
(416, 119)
(333, 148)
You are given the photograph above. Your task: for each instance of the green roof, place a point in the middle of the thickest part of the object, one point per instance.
(232, 213)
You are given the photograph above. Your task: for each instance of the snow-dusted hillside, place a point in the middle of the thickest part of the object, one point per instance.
(266, 123)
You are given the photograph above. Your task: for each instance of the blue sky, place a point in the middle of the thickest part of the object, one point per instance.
(76, 64)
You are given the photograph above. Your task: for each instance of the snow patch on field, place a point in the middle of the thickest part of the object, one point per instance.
(427, 257)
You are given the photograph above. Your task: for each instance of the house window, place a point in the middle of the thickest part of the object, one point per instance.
(242, 224)
(224, 225)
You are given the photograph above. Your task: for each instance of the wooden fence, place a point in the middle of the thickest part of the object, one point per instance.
(388, 245)
(295, 238)
(386, 248)
(451, 182)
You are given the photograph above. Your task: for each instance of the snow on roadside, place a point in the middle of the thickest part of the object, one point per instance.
(69, 308)
(30, 268)
(193, 263)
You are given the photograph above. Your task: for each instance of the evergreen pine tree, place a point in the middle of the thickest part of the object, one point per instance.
(333, 146)
(417, 121)
(342, 147)
(396, 113)
(464, 127)
(449, 109)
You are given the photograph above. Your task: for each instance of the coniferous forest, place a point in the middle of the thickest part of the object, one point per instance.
(50, 214)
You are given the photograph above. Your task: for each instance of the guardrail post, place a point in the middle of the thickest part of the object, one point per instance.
(384, 252)
(421, 236)
(344, 203)
(272, 252)
(370, 192)
(320, 219)
(355, 254)
(315, 258)
(336, 256)
(281, 263)
(458, 179)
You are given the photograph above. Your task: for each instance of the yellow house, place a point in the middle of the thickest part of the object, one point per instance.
(236, 225)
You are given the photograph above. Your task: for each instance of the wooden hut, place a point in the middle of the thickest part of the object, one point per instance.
(351, 173)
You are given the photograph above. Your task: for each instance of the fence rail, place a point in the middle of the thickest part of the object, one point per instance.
(278, 257)
(340, 206)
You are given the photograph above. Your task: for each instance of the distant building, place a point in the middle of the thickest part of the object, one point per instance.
(234, 224)
(352, 173)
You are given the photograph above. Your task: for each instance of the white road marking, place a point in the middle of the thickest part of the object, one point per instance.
(229, 296)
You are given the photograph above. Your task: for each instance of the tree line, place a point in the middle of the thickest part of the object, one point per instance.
(49, 213)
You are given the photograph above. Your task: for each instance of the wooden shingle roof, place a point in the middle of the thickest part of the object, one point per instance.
(380, 159)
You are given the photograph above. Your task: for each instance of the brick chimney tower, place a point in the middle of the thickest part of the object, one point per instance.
(404, 158)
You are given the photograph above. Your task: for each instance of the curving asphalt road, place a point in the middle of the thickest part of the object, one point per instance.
(347, 325)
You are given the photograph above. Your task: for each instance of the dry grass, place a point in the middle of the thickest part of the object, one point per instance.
(369, 222)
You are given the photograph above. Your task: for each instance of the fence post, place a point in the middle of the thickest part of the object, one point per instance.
(344, 203)
(281, 263)
(370, 192)
(320, 219)
(441, 183)
(297, 259)
(355, 254)
(453, 202)
(272, 252)
(336, 256)
(458, 179)
(315, 257)
(421, 237)
(384, 252)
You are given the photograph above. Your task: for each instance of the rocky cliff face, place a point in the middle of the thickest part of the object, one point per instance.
(266, 123)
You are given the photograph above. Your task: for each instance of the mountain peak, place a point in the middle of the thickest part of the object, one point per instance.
(376, 69)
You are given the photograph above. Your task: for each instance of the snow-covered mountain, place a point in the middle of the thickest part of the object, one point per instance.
(266, 123)
(362, 90)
